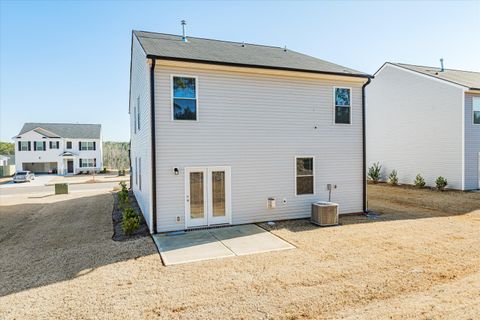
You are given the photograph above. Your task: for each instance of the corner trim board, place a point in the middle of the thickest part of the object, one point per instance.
(153, 142)
(364, 144)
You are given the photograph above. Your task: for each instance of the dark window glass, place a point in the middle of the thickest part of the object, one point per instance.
(304, 176)
(305, 185)
(184, 98)
(69, 144)
(184, 109)
(342, 105)
(476, 110)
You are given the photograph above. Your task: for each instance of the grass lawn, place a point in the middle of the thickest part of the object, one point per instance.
(419, 260)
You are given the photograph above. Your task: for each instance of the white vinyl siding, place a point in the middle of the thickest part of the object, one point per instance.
(472, 145)
(256, 124)
(414, 126)
(140, 128)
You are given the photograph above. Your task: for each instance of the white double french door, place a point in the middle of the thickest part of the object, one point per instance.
(207, 196)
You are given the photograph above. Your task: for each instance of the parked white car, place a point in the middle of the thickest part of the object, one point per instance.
(23, 176)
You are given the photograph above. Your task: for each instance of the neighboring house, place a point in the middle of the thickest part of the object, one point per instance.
(6, 160)
(218, 128)
(425, 120)
(63, 148)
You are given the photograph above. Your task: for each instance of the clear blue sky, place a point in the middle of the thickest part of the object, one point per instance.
(69, 61)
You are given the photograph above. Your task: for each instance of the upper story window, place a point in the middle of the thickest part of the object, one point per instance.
(86, 146)
(39, 145)
(54, 144)
(304, 175)
(24, 146)
(343, 106)
(476, 110)
(69, 144)
(184, 96)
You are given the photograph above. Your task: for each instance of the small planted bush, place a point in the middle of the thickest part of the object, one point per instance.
(419, 181)
(392, 178)
(123, 195)
(130, 221)
(374, 172)
(441, 183)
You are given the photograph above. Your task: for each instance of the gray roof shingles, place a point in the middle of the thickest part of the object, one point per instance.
(167, 46)
(66, 130)
(469, 79)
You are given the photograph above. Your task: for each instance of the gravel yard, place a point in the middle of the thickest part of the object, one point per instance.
(419, 260)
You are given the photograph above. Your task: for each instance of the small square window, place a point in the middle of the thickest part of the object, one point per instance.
(69, 144)
(342, 106)
(184, 98)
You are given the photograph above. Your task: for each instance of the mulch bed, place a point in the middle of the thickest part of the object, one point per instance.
(118, 234)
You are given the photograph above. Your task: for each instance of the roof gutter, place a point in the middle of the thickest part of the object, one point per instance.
(364, 147)
(246, 65)
(154, 149)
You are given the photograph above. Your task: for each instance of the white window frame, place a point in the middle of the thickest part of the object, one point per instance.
(140, 173)
(313, 174)
(172, 97)
(136, 171)
(87, 160)
(26, 146)
(85, 146)
(55, 145)
(473, 111)
(335, 106)
(41, 143)
(71, 145)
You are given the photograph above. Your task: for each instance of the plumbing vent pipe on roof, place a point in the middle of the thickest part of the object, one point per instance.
(184, 31)
(441, 65)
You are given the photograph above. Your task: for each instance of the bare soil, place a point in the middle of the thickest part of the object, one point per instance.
(419, 260)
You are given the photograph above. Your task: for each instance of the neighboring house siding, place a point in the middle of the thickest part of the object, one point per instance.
(257, 124)
(140, 138)
(472, 145)
(414, 125)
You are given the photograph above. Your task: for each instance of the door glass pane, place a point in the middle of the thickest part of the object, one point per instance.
(196, 195)
(218, 193)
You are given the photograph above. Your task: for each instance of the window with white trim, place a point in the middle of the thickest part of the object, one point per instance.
(87, 163)
(138, 113)
(23, 145)
(87, 145)
(476, 110)
(69, 144)
(39, 145)
(140, 173)
(343, 106)
(184, 100)
(304, 175)
(136, 171)
(54, 144)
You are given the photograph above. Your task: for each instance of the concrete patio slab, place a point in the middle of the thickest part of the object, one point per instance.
(249, 239)
(217, 243)
(190, 247)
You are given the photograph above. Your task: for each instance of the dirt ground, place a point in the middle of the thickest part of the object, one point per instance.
(419, 260)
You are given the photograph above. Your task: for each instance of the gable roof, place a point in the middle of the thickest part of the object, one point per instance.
(64, 130)
(171, 47)
(468, 79)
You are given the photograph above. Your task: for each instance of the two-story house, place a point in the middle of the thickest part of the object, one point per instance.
(63, 148)
(425, 120)
(231, 133)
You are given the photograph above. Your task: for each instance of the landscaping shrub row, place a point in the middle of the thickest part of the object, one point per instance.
(375, 175)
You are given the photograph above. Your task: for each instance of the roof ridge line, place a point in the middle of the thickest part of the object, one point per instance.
(419, 65)
(210, 39)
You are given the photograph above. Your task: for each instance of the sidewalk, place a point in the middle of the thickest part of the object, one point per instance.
(81, 179)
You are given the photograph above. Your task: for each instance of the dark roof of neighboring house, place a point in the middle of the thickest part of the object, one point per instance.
(171, 47)
(469, 79)
(64, 130)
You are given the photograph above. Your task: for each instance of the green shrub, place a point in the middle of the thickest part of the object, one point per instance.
(419, 181)
(123, 185)
(374, 172)
(392, 178)
(441, 183)
(130, 221)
